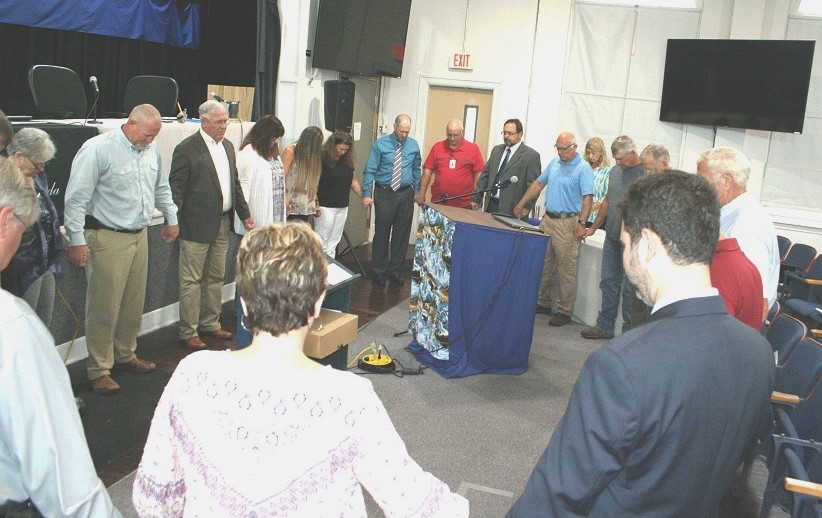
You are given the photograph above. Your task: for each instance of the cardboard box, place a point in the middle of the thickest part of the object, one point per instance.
(331, 332)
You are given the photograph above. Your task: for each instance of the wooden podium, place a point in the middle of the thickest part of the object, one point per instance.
(474, 292)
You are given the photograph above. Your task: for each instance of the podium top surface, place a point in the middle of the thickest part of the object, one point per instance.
(475, 217)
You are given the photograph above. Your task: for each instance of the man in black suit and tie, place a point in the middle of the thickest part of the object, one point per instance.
(207, 192)
(513, 158)
(661, 416)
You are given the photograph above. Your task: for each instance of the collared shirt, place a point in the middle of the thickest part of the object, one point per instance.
(510, 150)
(694, 293)
(116, 183)
(44, 455)
(566, 184)
(220, 159)
(454, 170)
(380, 164)
(746, 220)
(618, 182)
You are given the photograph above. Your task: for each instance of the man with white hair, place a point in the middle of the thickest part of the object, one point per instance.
(743, 217)
(44, 461)
(454, 164)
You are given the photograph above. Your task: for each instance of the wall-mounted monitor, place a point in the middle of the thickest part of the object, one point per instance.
(750, 84)
(364, 37)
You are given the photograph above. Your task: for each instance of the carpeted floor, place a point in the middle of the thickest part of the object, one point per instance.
(118, 423)
(482, 434)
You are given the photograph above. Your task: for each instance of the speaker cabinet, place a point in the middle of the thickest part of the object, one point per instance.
(339, 104)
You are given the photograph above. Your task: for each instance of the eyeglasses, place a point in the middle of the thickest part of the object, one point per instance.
(223, 122)
(566, 148)
(39, 167)
(508, 133)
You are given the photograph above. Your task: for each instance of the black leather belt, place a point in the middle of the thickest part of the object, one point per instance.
(561, 215)
(93, 223)
(388, 187)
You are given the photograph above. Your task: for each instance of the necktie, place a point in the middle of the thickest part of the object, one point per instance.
(396, 175)
(501, 169)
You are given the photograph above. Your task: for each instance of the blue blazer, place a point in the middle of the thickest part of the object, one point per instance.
(658, 420)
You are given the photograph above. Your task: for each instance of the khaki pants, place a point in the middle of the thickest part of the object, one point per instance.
(202, 275)
(116, 277)
(561, 257)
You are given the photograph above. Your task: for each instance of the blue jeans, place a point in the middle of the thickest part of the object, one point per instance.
(612, 281)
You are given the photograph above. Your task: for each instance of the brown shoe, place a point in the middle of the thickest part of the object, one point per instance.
(104, 385)
(138, 365)
(222, 334)
(194, 343)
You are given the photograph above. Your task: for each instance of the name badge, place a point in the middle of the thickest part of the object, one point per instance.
(452, 164)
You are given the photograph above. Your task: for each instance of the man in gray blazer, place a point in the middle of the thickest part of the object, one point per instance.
(207, 192)
(513, 158)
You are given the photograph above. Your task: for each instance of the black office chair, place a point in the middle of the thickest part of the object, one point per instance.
(159, 91)
(58, 92)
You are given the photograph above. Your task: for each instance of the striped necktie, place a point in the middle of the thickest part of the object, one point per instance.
(396, 175)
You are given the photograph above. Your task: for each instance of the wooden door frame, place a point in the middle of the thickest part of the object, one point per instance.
(425, 82)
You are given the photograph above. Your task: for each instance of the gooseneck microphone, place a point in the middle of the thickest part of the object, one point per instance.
(508, 182)
(93, 81)
(217, 97)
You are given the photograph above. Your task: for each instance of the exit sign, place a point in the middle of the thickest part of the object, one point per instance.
(460, 61)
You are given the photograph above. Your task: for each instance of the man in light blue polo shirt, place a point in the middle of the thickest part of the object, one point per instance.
(568, 199)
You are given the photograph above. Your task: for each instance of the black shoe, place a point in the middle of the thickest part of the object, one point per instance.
(559, 319)
(542, 310)
(378, 280)
(396, 279)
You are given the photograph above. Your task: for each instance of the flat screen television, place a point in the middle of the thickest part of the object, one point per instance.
(751, 84)
(364, 37)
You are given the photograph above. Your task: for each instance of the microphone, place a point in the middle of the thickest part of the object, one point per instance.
(93, 81)
(508, 182)
(217, 97)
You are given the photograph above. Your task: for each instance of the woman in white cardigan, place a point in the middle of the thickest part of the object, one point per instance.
(262, 179)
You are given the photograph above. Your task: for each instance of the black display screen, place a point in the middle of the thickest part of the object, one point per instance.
(751, 84)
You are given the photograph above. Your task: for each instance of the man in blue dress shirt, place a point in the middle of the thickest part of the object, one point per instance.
(391, 180)
(116, 182)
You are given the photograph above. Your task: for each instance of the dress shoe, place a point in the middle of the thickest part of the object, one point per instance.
(396, 279)
(594, 333)
(378, 280)
(194, 343)
(104, 385)
(542, 310)
(559, 319)
(138, 365)
(221, 334)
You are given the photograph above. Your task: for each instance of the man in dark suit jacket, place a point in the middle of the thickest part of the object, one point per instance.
(661, 416)
(522, 162)
(206, 190)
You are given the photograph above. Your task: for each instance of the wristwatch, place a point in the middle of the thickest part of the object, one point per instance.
(580, 222)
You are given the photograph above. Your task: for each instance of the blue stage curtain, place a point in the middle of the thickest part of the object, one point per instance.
(474, 296)
(160, 21)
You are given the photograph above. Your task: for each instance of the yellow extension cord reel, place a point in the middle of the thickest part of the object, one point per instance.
(377, 361)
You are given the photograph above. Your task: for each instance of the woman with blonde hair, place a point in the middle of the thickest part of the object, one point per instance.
(266, 431)
(336, 180)
(596, 156)
(302, 162)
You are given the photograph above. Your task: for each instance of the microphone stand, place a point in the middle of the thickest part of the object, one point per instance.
(445, 199)
(94, 108)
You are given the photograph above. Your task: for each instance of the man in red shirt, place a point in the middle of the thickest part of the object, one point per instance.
(454, 164)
